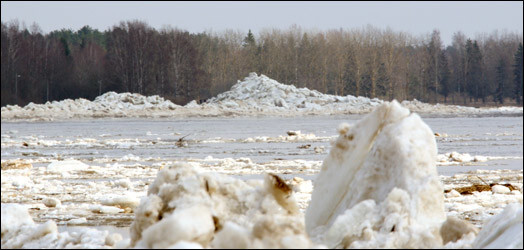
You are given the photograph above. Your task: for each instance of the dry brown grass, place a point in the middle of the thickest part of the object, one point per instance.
(468, 190)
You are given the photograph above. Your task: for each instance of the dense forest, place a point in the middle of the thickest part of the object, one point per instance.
(181, 66)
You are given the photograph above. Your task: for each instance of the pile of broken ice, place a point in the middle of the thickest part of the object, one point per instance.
(378, 188)
(254, 96)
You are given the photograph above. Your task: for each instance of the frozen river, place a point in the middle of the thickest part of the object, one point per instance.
(259, 139)
(123, 156)
(86, 176)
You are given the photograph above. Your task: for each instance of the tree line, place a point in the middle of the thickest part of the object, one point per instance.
(181, 66)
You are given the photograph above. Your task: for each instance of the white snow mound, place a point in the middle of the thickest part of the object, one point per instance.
(254, 96)
(265, 94)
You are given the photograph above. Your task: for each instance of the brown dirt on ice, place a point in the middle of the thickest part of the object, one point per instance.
(468, 190)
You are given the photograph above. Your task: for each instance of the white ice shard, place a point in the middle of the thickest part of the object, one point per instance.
(379, 185)
(503, 230)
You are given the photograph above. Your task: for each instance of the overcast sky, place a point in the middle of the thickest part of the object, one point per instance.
(416, 18)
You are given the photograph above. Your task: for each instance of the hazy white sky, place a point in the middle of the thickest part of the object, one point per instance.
(416, 18)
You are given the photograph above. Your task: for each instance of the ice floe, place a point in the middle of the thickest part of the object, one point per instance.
(66, 166)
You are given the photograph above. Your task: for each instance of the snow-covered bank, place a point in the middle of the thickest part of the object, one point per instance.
(254, 96)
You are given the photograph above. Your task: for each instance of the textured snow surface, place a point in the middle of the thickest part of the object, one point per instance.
(254, 96)
(186, 204)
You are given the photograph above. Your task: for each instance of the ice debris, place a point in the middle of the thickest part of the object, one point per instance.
(20, 231)
(105, 209)
(499, 189)
(121, 201)
(109, 104)
(378, 188)
(51, 202)
(383, 167)
(254, 96)
(185, 204)
(66, 166)
(455, 229)
(454, 157)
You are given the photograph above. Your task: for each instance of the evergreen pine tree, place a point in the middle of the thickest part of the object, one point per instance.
(474, 83)
(65, 44)
(249, 40)
(501, 79)
(252, 51)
